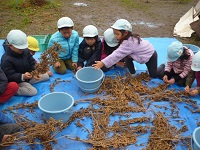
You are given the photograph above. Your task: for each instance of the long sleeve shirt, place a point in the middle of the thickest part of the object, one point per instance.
(181, 67)
(14, 64)
(90, 54)
(141, 53)
(69, 46)
(191, 77)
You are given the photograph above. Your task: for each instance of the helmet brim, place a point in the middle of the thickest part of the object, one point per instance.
(21, 46)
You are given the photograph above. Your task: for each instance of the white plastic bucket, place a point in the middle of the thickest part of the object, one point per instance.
(57, 105)
(195, 141)
(89, 79)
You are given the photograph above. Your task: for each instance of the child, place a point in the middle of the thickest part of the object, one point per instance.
(132, 48)
(109, 43)
(7, 89)
(17, 63)
(69, 41)
(195, 72)
(179, 60)
(90, 48)
(33, 47)
(7, 127)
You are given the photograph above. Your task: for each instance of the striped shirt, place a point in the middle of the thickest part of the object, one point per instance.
(181, 67)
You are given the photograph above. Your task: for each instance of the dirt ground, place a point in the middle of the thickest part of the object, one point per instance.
(150, 18)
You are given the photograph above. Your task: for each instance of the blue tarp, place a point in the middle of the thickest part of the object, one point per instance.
(72, 88)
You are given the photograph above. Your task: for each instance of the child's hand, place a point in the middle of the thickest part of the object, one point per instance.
(171, 81)
(79, 68)
(165, 79)
(5, 137)
(57, 64)
(194, 92)
(121, 64)
(27, 75)
(187, 89)
(50, 73)
(74, 64)
(98, 65)
(36, 77)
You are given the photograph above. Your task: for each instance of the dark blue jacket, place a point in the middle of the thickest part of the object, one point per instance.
(14, 64)
(89, 53)
(3, 81)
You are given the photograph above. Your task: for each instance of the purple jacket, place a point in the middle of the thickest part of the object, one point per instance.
(141, 53)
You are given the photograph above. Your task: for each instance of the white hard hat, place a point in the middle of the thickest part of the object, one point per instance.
(122, 24)
(110, 38)
(65, 22)
(18, 39)
(90, 31)
(196, 62)
(174, 51)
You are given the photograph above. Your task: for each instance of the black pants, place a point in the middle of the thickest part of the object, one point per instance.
(151, 65)
(180, 82)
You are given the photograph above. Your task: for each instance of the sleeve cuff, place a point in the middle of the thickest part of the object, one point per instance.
(177, 78)
(22, 78)
(166, 73)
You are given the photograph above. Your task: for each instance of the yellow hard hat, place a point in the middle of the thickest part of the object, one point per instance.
(33, 44)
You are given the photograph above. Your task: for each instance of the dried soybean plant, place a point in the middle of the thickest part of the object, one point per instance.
(123, 97)
(117, 135)
(47, 59)
(57, 81)
(163, 135)
(32, 131)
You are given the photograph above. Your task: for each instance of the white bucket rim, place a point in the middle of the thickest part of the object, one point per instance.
(89, 81)
(60, 111)
(193, 135)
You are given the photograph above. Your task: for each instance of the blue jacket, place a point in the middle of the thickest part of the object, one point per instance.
(3, 81)
(70, 45)
(89, 53)
(14, 64)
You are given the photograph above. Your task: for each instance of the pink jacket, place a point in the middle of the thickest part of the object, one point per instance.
(141, 53)
(181, 67)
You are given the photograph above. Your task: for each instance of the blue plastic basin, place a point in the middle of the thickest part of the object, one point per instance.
(57, 105)
(195, 141)
(194, 48)
(89, 79)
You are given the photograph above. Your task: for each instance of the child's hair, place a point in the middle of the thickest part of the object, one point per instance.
(65, 27)
(137, 36)
(96, 37)
(184, 55)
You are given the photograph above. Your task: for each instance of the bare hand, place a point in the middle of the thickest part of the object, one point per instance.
(98, 65)
(194, 92)
(121, 64)
(37, 77)
(5, 137)
(171, 81)
(50, 73)
(165, 79)
(187, 89)
(74, 64)
(79, 68)
(27, 75)
(57, 64)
